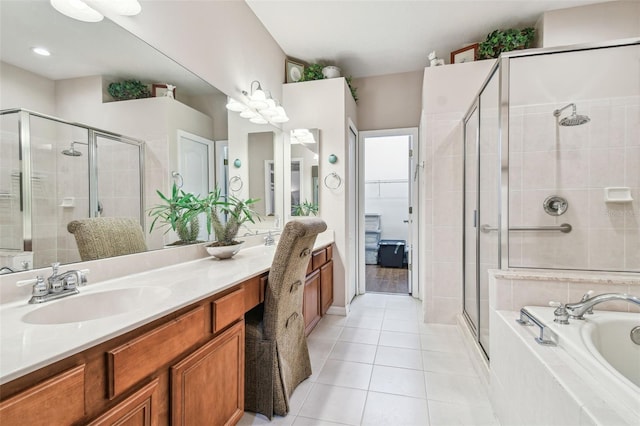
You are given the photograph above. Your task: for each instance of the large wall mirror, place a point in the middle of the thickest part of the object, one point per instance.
(305, 150)
(182, 137)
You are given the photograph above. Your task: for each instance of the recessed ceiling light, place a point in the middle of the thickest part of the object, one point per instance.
(77, 9)
(41, 51)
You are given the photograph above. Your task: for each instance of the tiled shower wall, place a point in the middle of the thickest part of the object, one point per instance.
(577, 163)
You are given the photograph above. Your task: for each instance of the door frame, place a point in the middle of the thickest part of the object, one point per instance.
(414, 217)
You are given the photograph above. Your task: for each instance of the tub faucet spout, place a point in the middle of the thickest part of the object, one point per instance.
(577, 310)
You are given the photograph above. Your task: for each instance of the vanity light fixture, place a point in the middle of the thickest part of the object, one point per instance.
(260, 107)
(41, 51)
(80, 10)
(302, 136)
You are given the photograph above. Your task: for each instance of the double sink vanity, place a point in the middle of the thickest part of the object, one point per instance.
(163, 346)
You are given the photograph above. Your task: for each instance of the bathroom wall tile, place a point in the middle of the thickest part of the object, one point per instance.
(447, 279)
(607, 126)
(632, 166)
(632, 250)
(539, 132)
(606, 167)
(572, 138)
(606, 215)
(538, 293)
(532, 165)
(632, 125)
(447, 208)
(516, 131)
(334, 403)
(384, 409)
(446, 309)
(447, 174)
(573, 169)
(500, 296)
(447, 244)
(447, 135)
(398, 381)
(606, 249)
(539, 249)
(572, 250)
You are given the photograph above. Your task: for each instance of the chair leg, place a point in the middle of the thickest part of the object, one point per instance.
(260, 356)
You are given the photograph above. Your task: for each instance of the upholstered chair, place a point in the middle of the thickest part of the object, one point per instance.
(276, 353)
(101, 237)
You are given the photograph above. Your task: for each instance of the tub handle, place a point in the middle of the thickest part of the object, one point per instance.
(528, 319)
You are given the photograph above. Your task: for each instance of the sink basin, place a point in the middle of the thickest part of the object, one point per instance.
(86, 307)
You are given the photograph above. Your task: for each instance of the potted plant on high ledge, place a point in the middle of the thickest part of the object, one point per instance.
(236, 211)
(499, 41)
(178, 212)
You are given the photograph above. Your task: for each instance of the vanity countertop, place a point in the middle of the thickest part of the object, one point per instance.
(27, 347)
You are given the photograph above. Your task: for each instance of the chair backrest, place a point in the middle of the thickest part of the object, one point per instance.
(101, 237)
(285, 290)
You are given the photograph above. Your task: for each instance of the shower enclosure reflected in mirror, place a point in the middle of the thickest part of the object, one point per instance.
(305, 150)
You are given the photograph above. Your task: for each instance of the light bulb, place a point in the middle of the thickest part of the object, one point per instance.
(258, 120)
(247, 113)
(235, 106)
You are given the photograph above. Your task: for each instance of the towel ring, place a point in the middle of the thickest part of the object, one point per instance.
(337, 179)
(235, 183)
(177, 176)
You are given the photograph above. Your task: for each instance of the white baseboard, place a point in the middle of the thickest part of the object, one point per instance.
(338, 310)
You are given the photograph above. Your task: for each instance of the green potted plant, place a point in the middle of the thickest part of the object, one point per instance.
(314, 72)
(500, 41)
(236, 211)
(305, 208)
(178, 212)
(128, 89)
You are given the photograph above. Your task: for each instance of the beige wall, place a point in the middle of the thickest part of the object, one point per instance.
(389, 101)
(222, 42)
(23, 89)
(591, 23)
(327, 105)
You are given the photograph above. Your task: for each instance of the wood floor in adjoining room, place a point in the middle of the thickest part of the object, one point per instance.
(387, 280)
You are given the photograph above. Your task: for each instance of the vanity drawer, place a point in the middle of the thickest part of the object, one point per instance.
(329, 253)
(254, 292)
(139, 358)
(41, 404)
(228, 309)
(318, 258)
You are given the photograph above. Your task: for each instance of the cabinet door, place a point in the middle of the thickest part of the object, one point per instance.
(56, 401)
(311, 304)
(207, 387)
(137, 410)
(326, 286)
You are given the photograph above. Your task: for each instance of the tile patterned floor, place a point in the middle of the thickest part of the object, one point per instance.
(382, 366)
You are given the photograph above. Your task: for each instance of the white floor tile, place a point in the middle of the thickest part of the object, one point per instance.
(356, 352)
(448, 414)
(399, 340)
(298, 397)
(334, 404)
(401, 314)
(400, 325)
(371, 323)
(258, 419)
(326, 331)
(320, 348)
(372, 300)
(399, 357)
(398, 381)
(360, 335)
(402, 302)
(306, 421)
(439, 329)
(456, 388)
(447, 363)
(346, 374)
(395, 410)
(451, 343)
(338, 320)
(366, 311)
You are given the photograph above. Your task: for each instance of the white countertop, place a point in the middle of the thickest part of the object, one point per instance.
(27, 347)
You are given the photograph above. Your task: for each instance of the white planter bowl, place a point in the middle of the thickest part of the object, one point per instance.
(224, 252)
(331, 72)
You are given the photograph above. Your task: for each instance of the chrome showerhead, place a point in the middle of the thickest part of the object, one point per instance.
(72, 151)
(574, 119)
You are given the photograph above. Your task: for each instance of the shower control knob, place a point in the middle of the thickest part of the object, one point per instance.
(561, 314)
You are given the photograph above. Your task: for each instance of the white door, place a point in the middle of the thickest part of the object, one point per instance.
(196, 166)
(353, 216)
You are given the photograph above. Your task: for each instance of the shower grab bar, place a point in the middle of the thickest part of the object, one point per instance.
(564, 228)
(528, 319)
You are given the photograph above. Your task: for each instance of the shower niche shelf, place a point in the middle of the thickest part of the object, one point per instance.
(620, 194)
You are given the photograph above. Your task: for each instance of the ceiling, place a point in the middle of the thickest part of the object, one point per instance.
(373, 37)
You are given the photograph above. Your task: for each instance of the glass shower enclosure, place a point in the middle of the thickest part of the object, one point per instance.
(552, 167)
(52, 172)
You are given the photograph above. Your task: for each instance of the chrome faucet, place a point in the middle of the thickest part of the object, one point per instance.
(56, 286)
(6, 270)
(577, 310)
(269, 240)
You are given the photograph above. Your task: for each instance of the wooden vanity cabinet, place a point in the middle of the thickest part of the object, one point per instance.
(318, 289)
(185, 368)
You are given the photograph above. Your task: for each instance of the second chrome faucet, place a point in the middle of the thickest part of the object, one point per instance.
(577, 310)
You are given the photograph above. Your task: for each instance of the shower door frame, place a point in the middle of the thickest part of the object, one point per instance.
(24, 140)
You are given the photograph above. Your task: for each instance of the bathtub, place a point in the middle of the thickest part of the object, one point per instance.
(591, 376)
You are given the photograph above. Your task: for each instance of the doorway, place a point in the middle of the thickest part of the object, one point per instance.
(387, 210)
